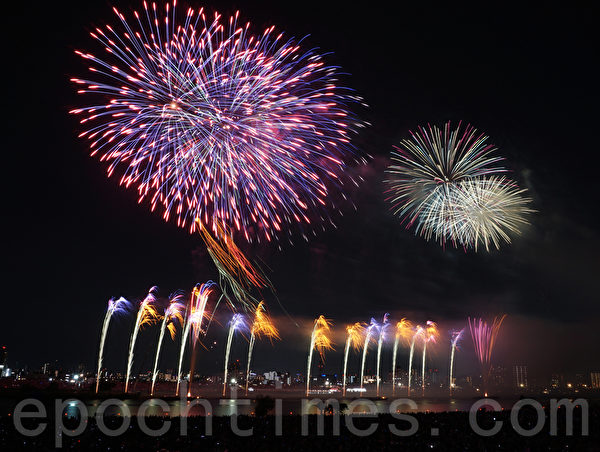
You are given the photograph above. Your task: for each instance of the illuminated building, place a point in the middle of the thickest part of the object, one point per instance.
(595, 377)
(520, 376)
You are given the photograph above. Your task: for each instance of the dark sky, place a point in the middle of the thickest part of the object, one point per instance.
(527, 77)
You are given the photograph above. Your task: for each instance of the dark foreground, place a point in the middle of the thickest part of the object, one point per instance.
(435, 431)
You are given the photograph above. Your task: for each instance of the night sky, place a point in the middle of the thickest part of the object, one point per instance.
(526, 77)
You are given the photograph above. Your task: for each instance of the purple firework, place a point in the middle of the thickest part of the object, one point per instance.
(216, 126)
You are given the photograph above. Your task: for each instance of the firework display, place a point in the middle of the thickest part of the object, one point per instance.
(358, 335)
(214, 125)
(418, 334)
(484, 337)
(244, 137)
(117, 306)
(404, 332)
(382, 330)
(455, 338)
(236, 323)
(193, 322)
(430, 335)
(371, 329)
(261, 326)
(147, 315)
(173, 313)
(488, 209)
(444, 183)
(320, 340)
(237, 274)
(355, 334)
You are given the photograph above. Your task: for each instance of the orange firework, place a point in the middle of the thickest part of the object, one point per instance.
(196, 314)
(235, 270)
(173, 314)
(356, 334)
(354, 339)
(261, 326)
(320, 340)
(404, 331)
(430, 334)
(223, 249)
(147, 315)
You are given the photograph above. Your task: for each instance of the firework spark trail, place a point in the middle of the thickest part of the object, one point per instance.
(261, 326)
(443, 181)
(354, 339)
(217, 126)
(250, 350)
(403, 331)
(114, 307)
(484, 338)
(236, 272)
(173, 312)
(487, 209)
(237, 322)
(370, 330)
(193, 321)
(430, 335)
(382, 330)
(147, 315)
(320, 340)
(419, 332)
(456, 335)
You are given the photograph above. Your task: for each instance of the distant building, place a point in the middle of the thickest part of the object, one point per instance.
(499, 376)
(557, 381)
(271, 376)
(3, 356)
(369, 379)
(580, 381)
(520, 376)
(595, 377)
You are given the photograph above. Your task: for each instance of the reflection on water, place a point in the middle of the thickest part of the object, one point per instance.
(228, 407)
